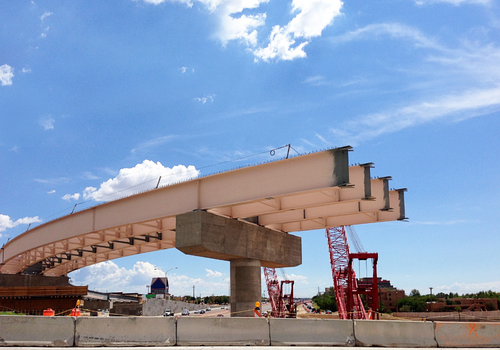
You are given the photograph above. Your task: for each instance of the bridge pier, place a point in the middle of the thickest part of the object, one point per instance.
(246, 245)
(245, 286)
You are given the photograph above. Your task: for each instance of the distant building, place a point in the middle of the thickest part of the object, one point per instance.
(159, 287)
(387, 294)
(465, 304)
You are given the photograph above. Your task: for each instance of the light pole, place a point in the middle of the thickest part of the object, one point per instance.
(157, 268)
(170, 269)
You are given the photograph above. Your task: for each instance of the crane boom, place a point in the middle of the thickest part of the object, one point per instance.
(343, 275)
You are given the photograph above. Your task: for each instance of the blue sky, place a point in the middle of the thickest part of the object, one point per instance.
(98, 97)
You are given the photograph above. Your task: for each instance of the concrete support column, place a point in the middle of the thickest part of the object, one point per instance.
(245, 286)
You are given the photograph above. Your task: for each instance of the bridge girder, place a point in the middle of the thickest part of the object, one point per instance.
(307, 192)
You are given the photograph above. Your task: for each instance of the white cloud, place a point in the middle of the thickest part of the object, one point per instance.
(235, 22)
(47, 122)
(456, 107)
(211, 273)
(6, 74)
(315, 80)
(6, 222)
(69, 197)
(183, 69)
(89, 176)
(469, 65)
(45, 15)
(109, 276)
(463, 288)
(53, 181)
(204, 99)
(26, 70)
(312, 18)
(50, 192)
(143, 176)
(145, 146)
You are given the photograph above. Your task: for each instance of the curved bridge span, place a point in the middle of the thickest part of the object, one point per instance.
(308, 192)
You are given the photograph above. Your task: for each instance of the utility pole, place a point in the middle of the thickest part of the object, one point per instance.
(193, 292)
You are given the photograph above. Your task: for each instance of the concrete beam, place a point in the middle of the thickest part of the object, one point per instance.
(212, 236)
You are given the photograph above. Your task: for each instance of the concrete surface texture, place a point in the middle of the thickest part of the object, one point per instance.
(222, 331)
(245, 275)
(40, 331)
(394, 333)
(125, 331)
(204, 234)
(228, 348)
(36, 331)
(311, 332)
(246, 245)
(452, 334)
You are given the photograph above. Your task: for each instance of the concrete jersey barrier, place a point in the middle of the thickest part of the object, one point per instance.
(221, 331)
(37, 331)
(467, 334)
(394, 333)
(311, 332)
(125, 331)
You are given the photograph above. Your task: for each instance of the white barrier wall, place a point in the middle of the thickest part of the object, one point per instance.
(311, 332)
(473, 334)
(394, 333)
(222, 331)
(36, 331)
(125, 331)
(214, 331)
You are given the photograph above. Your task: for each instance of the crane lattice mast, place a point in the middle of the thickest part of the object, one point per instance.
(339, 259)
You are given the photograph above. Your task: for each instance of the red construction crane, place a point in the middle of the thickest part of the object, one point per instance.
(282, 303)
(347, 292)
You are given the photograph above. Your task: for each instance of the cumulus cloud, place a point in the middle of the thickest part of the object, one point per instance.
(109, 276)
(69, 197)
(6, 74)
(6, 222)
(50, 192)
(211, 273)
(46, 122)
(143, 176)
(313, 16)
(463, 288)
(26, 70)
(239, 20)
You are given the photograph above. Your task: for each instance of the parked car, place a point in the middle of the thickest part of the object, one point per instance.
(202, 311)
(185, 312)
(196, 311)
(168, 312)
(328, 311)
(209, 309)
(220, 315)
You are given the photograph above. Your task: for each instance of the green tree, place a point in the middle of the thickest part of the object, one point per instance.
(414, 293)
(325, 302)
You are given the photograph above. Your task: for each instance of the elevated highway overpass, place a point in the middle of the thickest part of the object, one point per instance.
(312, 191)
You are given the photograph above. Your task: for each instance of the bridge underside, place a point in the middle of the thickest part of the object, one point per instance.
(308, 192)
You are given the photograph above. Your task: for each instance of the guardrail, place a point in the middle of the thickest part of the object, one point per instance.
(60, 331)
